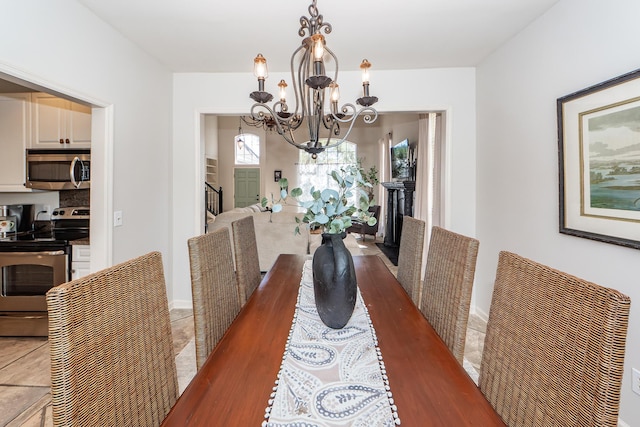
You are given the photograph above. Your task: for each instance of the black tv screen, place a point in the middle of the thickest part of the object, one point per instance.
(400, 161)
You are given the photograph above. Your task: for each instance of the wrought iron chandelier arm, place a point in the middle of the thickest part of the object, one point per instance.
(300, 89)
(349, 113)
(330, 124)
(297, 90)
(261, 111)
(370, 116)
(335, 60)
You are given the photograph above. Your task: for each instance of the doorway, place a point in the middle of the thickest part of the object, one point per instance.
(102, 115)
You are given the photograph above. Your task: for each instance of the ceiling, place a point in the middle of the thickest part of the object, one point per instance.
(225, 36)
(213, 36)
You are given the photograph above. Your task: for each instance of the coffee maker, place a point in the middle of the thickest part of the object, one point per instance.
(21, 215)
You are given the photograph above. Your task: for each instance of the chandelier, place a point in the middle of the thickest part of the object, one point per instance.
(310, 84)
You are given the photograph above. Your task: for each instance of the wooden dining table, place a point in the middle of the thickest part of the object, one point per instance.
(429, 386)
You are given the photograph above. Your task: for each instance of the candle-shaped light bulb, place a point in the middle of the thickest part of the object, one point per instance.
(365, 71)
(365, 77)
(318, 46)
(334, 96)
(283, 91)
(260, 67)
(335, 91)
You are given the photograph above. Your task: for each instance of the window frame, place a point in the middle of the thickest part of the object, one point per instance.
(252, 143)
(327, 160)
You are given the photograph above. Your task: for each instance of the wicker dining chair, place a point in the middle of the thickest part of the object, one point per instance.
(246, 254)
(112, 357)
(410, 257)
(446, 291)
(216, 299)
(554, 348)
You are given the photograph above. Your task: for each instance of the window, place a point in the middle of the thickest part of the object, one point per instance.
(247, 148)
(315, 173)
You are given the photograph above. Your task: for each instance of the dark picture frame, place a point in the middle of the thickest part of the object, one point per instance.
(599, 161)
(277, 175)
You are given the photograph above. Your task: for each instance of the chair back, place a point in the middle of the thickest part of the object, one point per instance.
(112, 358)
(448, 280)
(554, 348)
(246, 254)
(410, 257)
(215, 294)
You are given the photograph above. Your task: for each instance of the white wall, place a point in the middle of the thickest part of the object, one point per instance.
(452, 90)
(62, 45)
(578, 43)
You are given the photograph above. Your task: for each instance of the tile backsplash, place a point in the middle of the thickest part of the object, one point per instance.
(50, 199)
(74, 197)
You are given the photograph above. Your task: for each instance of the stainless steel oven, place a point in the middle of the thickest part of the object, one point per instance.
(33, 261)
(26, 274)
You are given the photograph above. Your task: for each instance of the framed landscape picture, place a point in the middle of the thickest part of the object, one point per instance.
(599, 161)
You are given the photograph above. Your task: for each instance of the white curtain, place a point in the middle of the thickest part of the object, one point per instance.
(384, 145)
(422, 204)
(428, 203)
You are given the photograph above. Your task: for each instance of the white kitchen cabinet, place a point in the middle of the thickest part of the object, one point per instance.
(59, 123)
(80, 261)
(15, 131)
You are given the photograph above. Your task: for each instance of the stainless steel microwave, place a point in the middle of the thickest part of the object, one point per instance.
(66, 169)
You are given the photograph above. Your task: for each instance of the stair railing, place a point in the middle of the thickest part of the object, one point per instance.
(212, 202)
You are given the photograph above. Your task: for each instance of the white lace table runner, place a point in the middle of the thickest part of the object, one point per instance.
(330, 377)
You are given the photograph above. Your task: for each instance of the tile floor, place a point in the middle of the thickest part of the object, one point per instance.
(24, 363)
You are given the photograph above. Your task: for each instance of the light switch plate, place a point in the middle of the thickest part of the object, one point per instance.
(117, 218)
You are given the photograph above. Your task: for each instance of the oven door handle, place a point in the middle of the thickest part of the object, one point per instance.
(45, 253)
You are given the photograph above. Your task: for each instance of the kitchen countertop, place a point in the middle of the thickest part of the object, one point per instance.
(45, 226)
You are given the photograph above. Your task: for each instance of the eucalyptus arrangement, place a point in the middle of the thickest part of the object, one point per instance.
(329, 209)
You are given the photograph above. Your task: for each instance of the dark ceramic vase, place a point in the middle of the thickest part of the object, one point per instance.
(334, 281)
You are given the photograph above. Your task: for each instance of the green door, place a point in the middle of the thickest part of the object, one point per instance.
(246, 186)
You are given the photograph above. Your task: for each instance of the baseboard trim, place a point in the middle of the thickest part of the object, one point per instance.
(180, 304)
(481, 314)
